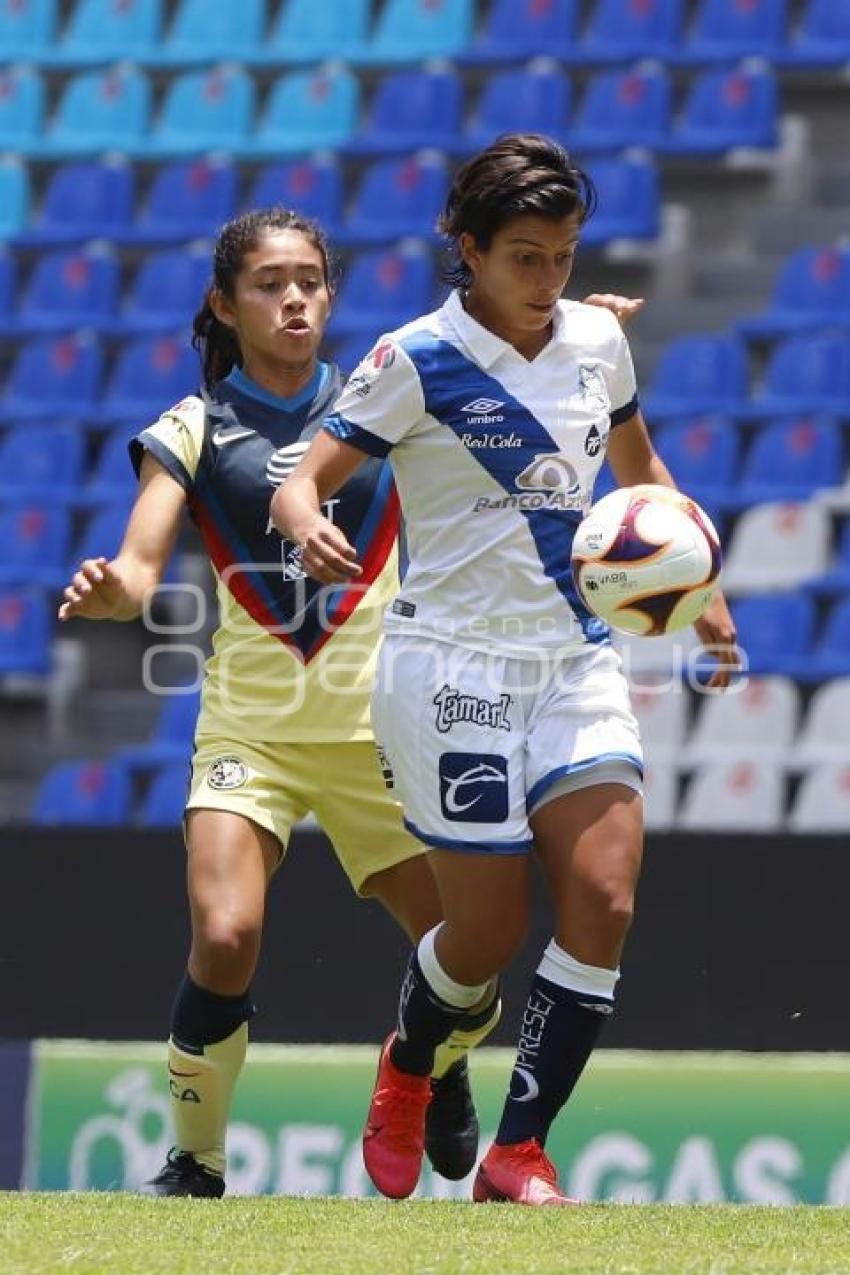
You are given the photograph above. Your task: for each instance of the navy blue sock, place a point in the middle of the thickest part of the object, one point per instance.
(200, 1018)
(559, 1029)
(424, 1022)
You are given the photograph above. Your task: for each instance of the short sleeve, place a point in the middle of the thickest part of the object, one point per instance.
(381, 402)
(622, 387)
(175, 440)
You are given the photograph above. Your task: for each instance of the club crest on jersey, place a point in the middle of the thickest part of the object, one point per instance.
(592, 385)
(453, 707)
(227, 772)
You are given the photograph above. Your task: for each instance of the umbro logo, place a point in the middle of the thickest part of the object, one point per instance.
(482, 411)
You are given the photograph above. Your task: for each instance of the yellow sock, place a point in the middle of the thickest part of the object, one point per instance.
(201, 1093)
(462, 1039)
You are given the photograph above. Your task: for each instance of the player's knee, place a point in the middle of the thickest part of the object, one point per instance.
(613, 905)
(228, 943)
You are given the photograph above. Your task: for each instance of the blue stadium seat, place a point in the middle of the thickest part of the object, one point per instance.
(775, 631)
(812, 290)
(308, 110)
(629, 207)
(789, 460)
(100, 111)
(188, 200)
(621, 30)
(416, 29)
(728, 108)
(172, 736)
(167, 290)
(536, 99)
(42, 462)
(165, 800)
(35, 539)
(204, 32)
(106, 31)
(412, 110)
(623, 108)
(806, 374)
(27, 28)
(349, 352)
(837, 577)
(83, 792)
(831, 654)
(70, 288)
(25, 627)
(725, 30)
(8, 281)
(312, 186)
(83, 201)
(103, 533)
(823, 36)
(112, 481)
(150, 374)
(514, 29)
(698, 375)
(14, 196)
(313, 30)
(397, 197)
(205, 110)
(703, 456)
(381, 290)
(53, 376)
(22, 100)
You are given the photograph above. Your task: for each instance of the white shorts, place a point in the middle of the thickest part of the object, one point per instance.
(477, 742)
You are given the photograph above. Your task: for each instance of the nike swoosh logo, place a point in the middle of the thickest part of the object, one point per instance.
(184, 1075)
(221, 437)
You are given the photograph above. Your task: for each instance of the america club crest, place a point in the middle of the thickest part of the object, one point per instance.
(227, 772)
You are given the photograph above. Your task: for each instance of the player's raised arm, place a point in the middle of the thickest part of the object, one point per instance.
(116, 590)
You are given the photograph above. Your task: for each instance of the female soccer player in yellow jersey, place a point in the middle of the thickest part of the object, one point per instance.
(284, 721)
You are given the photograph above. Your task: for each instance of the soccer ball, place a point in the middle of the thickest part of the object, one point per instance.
(646, 560)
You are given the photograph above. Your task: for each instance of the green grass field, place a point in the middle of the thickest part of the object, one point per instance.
(41, 1234)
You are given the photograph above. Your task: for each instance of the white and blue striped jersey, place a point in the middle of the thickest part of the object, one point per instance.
(495, 458)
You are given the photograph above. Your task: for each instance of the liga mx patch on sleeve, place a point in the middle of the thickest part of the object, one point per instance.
(474, 787)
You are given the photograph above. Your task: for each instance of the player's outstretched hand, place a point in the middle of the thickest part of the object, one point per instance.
(716, 630)
(624, 308)
(326, 554)
(95, 593)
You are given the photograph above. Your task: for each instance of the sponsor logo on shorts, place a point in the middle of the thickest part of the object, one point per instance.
(474, 787)
(454, 706)
(227, 772)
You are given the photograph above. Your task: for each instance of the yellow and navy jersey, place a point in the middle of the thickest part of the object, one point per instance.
(292, 659)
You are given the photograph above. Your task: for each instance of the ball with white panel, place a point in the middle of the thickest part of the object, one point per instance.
(646, 560)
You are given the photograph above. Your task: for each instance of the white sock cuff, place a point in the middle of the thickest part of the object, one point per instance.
(458, 995)
(591, 980)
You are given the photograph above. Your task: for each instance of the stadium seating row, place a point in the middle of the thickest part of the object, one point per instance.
(306, 30)
(217, 109)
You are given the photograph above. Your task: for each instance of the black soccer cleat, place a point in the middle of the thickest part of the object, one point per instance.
(451, 1124)
(182, 1175)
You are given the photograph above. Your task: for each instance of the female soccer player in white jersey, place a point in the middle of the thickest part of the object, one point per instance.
(499, 700)
(284, 723)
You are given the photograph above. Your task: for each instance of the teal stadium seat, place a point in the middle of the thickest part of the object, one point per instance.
(533, 99)
(83, 200)
(313, 30)
(308, 110)
(205, 110)
(53, 377)
(83, 792)
(725, 30)
(36, 539)
(14, 196)
(412, 110)
(100, 111)
(409, 30)
(514, 29)
(210, 30)
(623, 30)
(25, 629)
(27, 28)
(70, 288)
(22, 106)
(397, 198)
(310, 185)
(110, 31)
(188, 199)
(42, 462)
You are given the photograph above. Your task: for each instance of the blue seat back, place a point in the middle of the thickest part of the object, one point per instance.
(35, 538)
(27, 28)
(177, 719)
(103, 533)
(213, 107)
(632, 101)
(349, 352)
(8, 280)
(108, 29)
(815, 279)
(635, 26)
(107, 108)
(152, 372)
(737, 100)
(225, 29)
(21, 105)
(83, 792)
(89, 194)
(199, 195)
(413, 188)
(313, 187)
(422, 28)
(60, 374)
(165, 801)
(25, 625)
(533, 101)
(418, 102)
(324, 104)
(387, 282)
(113, 477)
(308, 29)
(702, 367)
(835, 638)
(743, 24)
(169, 285)
(827, 20)
(704, 452)
(801, 453)
(816, 367)
(80, 284)
(531, 26)
(775, 624)
(14, 195)
(43, 456)
(629, 194)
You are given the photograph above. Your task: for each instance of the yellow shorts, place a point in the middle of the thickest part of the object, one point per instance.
(276, 785)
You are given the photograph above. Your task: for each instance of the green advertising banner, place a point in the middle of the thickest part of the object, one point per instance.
(641, 1127)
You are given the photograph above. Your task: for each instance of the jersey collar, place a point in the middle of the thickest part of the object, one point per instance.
(483, 344)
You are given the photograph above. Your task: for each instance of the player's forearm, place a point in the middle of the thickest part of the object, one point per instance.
(655, 471)
(295, 507)
(137, 579)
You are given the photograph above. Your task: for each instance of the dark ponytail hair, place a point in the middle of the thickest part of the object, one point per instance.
(518, 175)
(216, 343)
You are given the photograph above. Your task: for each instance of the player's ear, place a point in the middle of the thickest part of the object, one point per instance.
(468, 249)
(222, 307)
